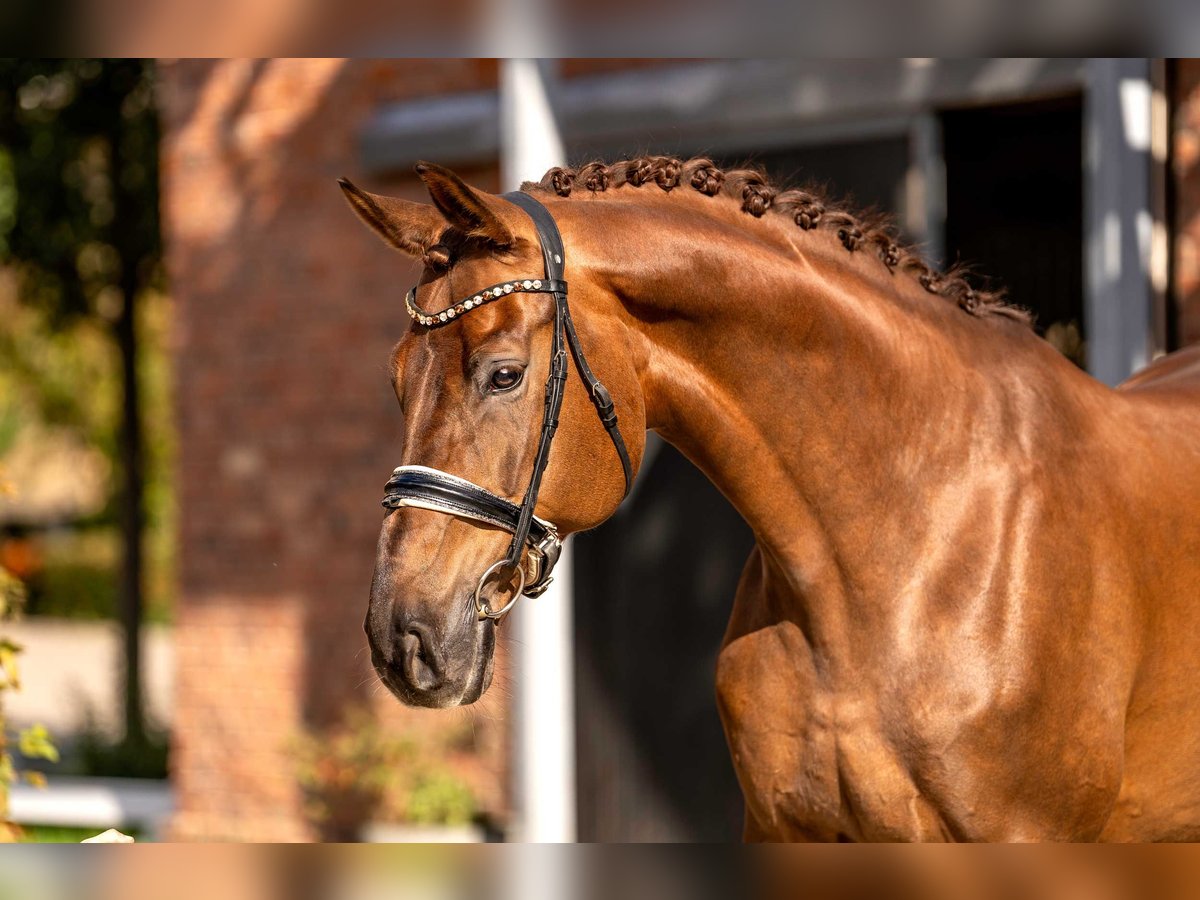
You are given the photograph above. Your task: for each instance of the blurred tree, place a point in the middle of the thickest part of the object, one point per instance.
(79, 225)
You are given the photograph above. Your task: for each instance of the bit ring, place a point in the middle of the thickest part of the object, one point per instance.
(484, 611)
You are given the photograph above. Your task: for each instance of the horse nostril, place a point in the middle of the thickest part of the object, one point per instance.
(418, 660)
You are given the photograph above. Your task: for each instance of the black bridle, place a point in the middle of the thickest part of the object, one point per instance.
(433, 489)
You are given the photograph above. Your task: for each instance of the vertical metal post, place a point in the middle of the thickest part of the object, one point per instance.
(925, 187)
(542, 642)
(1123, 219)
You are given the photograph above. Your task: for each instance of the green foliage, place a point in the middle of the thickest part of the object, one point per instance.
(33, 742)
(78, 575)
(63, 376)
(158, 431)
(63, 834)
(12, 592)
(12, 589)
(10, 676)
(436, 797)
(79, 240)
(361, 769)
(75, 589)
(79, 189)
(346, 772)
(71, 133)
(67, 377)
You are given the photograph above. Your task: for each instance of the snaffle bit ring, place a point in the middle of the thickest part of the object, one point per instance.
(481, 607)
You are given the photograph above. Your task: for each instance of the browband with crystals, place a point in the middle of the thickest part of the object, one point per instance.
(495, 292)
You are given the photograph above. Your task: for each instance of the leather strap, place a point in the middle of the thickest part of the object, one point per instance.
(423, 487)
(432, 489)
(553, 255)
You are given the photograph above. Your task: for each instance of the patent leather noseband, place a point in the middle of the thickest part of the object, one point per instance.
(536, 544)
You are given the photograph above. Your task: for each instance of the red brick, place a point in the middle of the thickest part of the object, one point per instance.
(286, 309)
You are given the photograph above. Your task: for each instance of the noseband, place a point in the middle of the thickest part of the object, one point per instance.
(433, 489)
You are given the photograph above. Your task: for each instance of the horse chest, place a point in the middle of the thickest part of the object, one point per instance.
(821, 772)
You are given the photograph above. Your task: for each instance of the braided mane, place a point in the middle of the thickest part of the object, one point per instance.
(808, 208)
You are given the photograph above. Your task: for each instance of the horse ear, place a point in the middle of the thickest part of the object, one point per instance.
(467, 209)
(407, 226)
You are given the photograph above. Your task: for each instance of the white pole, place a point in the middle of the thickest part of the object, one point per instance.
(543, 671)
(1125, 274)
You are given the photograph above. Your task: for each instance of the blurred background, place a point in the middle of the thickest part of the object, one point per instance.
(196, 421)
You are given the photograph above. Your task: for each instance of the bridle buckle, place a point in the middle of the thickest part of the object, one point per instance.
(545, 555)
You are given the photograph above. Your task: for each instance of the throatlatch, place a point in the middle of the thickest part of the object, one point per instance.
(433, 489)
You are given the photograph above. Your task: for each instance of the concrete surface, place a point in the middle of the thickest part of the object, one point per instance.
(70, 668)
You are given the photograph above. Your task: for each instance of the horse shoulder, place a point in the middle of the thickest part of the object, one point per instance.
(812, 761)
(779, 728)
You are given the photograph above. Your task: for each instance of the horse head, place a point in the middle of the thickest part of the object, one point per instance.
(469, 377)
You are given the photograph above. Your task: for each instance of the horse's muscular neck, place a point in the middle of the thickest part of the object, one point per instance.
(783, 368)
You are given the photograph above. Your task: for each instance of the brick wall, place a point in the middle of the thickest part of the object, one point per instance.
(285, 308)
(1186, 220)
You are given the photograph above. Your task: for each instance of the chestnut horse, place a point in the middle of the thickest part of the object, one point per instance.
(973, 607)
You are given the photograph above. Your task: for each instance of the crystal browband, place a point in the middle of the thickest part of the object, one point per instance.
(495, 292)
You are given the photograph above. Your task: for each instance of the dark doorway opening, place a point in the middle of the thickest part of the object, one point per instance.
(867, 174)
(1014, 207)
(653, 591)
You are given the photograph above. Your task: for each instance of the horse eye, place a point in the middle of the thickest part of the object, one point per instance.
(506, 378)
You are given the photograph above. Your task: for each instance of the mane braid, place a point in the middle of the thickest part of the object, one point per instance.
(808, 208)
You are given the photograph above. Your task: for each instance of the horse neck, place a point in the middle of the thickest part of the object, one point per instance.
(817, 391)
